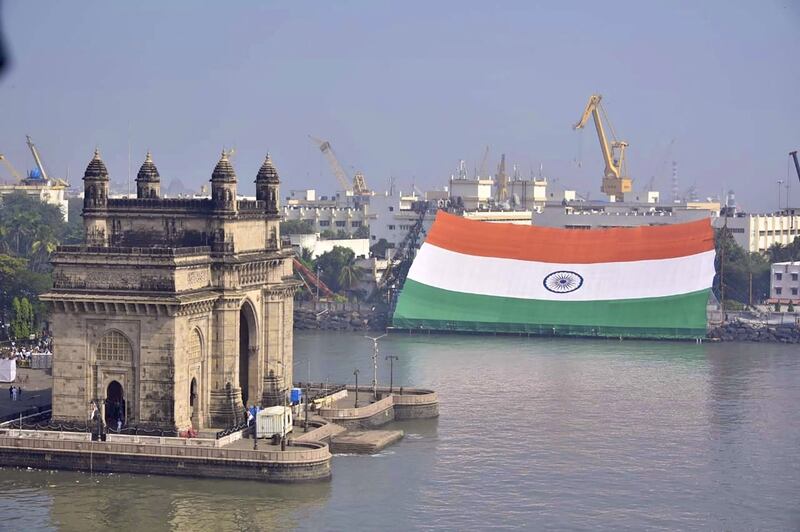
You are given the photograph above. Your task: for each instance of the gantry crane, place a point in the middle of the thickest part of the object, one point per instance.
(615, 182)
(10, 167)
(359, 184)
(792, 153)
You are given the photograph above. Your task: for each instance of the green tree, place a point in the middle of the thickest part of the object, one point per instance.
(27, 315)
(739, 269)
(19, 319)
(362, 232)
(349, 275)
(297, 227)
(331, 263)
(327, 234)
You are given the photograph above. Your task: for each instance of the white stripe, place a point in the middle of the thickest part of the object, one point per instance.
(492, 276)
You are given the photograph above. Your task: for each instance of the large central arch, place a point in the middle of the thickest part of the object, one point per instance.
(248, 353)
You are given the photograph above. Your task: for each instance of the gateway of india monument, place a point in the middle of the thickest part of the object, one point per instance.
(175, 313)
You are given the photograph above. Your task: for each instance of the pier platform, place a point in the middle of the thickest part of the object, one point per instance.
(364, 441)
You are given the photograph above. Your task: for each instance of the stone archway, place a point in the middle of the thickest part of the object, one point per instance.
(248, 354)
(115, 404)
(194, 407)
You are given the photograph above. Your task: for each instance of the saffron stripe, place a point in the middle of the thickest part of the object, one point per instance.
(554, 245)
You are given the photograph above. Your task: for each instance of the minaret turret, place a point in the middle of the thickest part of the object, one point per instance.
(268, 186)
(148, 181)
(95, 201)
(223, 185)
(95, 184)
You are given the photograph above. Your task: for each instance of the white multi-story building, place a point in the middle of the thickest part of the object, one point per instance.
(784, 282)
(757, 232)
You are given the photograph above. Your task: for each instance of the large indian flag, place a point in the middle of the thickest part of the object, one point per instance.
(647, 282)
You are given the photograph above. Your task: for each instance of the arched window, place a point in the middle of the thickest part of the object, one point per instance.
(114, 347)
(194, 348)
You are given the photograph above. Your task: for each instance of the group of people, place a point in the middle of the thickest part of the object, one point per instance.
(23, 353)
(15, 392)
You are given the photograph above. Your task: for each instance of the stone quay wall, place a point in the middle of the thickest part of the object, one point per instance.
(414, 403)
(306, 462)
(738, 331)
(333, 316)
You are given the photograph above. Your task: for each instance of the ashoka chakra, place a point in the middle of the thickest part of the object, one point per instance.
(562, 282)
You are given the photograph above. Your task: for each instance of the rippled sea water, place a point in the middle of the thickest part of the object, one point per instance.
(533, 434)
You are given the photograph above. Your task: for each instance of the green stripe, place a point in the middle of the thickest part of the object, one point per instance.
(424, 307)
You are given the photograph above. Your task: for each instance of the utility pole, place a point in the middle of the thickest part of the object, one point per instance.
(375, 364)
(391, 359)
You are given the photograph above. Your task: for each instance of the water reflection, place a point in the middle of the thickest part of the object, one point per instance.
(77, 501)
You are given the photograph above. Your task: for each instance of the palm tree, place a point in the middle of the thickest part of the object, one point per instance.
(44, 243)
(349, 276)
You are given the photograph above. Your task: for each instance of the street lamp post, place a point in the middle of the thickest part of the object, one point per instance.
(318, 281)
(780, 182)
(375, 364)
(391, 359)
(355, 372)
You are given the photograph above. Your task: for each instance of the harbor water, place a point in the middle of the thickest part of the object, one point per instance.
(533, 434)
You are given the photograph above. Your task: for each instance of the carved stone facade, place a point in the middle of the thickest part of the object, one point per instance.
(176, 310)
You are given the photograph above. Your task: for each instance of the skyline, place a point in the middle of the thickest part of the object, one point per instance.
(407, 92)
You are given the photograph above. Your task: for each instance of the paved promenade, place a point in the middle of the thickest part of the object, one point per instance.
(36, 387)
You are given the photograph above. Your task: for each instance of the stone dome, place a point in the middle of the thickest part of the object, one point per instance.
(97, 168)
(148, 172)
(224, 170)
(267, 172)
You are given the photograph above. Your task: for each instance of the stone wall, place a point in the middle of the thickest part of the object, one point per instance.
(739, 331)
(339, 317)
(304, 462)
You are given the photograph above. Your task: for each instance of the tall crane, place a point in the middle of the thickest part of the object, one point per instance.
(36, 157)
(10, 167)
(615, 182)
(359, 184)
(792, 153)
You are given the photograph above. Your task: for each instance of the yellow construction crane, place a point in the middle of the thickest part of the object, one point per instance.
(615, 182)
(359, 184)
(10, 167)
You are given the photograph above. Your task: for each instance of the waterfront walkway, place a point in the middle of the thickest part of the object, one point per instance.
(37, 387)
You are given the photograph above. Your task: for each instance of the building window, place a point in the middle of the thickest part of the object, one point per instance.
(778, 290)
(194, 349)
(778, 276)
(794, 277)
(114, 347)
(391, 228)
(324, 223)
(355, 224)
(794, 291)
(391, 209)
(736, 230)
(341, 223)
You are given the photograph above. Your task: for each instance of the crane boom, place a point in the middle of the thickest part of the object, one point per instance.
(36, 157)
(614, 182)
(10, 167)
(794, 156)
(325, 147)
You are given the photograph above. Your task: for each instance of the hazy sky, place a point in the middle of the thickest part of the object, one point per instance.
(406, 89)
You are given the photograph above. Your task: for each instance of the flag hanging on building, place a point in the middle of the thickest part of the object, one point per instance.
(646, 282)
